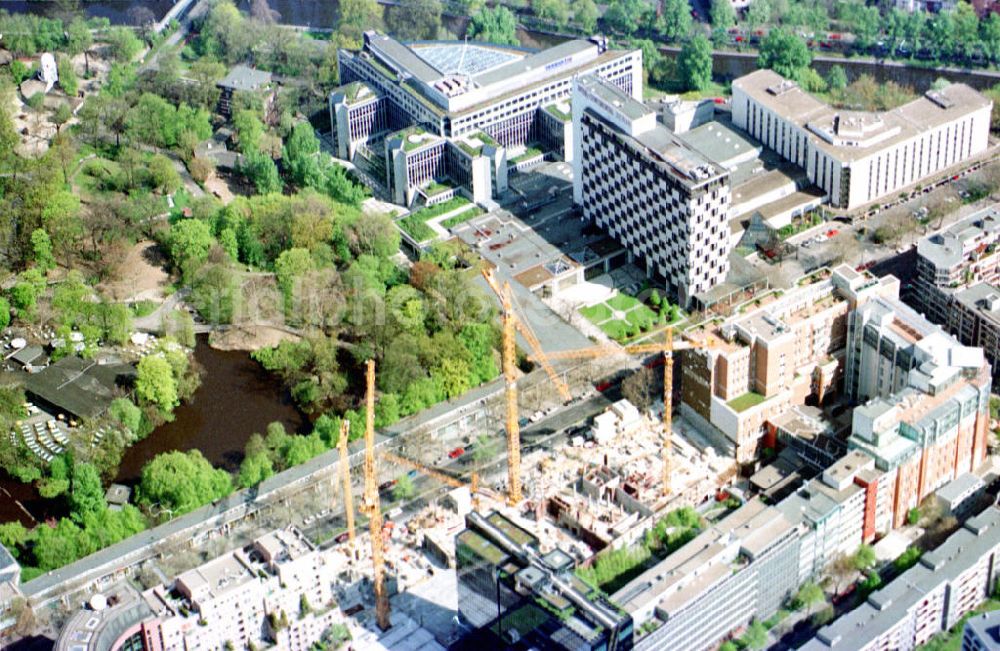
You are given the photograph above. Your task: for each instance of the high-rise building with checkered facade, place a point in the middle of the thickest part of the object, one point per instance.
(664, 202)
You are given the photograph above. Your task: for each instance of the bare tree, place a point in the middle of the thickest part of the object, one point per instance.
(638, 388)
(142, 17)
(24, 617)
(841, 569)
(261, 10)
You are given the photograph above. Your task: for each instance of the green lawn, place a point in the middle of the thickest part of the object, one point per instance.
(531, 152)
(638, 317)
(596, 313)
(642, 316)
(622, 302)
(746, 401)
(462, 217)
(616, 329)
(416, 227)
(415, 224)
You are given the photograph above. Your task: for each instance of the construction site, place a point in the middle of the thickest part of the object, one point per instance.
(386, 516)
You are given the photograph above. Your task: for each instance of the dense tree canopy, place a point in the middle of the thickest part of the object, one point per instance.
(694, 63)
(785, 53)
(416, 20)
(496, 25)
(181, 482)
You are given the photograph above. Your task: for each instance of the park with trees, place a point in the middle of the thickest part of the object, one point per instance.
(296, 247)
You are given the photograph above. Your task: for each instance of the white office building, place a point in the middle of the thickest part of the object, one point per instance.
(858, 157)
(468, 95)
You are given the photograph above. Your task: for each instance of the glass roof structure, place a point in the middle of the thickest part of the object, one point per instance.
(463, 58)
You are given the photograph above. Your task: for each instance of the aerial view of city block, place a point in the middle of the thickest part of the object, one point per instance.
(458, 325)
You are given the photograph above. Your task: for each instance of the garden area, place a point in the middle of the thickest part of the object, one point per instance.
(746, 401)
(613, 568)
(622, 317)
(415, 224)
(800, 224)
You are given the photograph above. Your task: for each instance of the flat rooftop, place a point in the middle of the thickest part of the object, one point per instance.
(952, 245)
(707, 559)
(722, 143)
(79, 387)
(979, 298)
(658, 143)
(216, 577)
(283, 545)
(245, 78)
(458, 77)
(532, 256)
(852, 135)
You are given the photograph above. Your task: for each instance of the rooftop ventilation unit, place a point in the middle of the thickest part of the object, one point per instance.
(782, 88)
(940, 99)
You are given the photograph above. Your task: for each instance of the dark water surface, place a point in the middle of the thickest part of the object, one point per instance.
(237, 397)
(114, 10)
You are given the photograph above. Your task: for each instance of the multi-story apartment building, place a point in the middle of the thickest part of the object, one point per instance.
(784, 351)
(277, 591)
(512, 593)
(955, 258)
(958, 269)
(746, 566)
(928, 598)
(828, 511)
(974, 317)
(859, 157)
(741, 567)
(926, 416)
(664, 202)
(454, 89)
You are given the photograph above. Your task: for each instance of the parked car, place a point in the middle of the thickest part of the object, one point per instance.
(456, 453)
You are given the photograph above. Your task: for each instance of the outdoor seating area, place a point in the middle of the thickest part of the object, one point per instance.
(45, 439)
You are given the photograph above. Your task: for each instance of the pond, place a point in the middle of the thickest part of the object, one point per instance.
(116, 11)
(237, 397)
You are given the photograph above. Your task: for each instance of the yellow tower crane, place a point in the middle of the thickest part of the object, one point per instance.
(345, 478)
(371, 503)
(668, 347)
(512, 322)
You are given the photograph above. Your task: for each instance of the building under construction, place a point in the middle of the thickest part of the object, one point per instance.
(513, 594)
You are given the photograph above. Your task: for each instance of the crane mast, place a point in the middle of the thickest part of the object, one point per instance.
(668, 406)
(510, 395)
(345, 478)
(372, 506)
